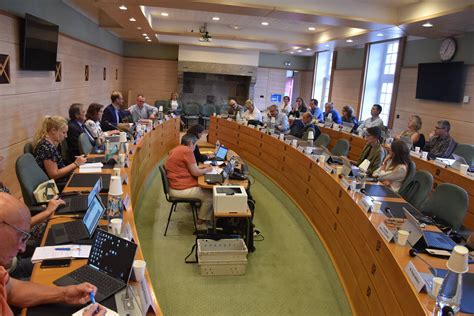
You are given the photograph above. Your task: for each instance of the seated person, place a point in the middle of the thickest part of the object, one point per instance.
(77, 116)
(348, 116)
(373, 120)
(252, 113)
(286, 106)
(182, 172)
(413, 132)
(440, 144)
(198, 130)
(113, 116)
(299, 108)
(315, 110)
(235, 108)
(372, 151)
(394, 168)
(300, 128)
(173, 105)
(331, 113)
(14, 227)
(142, 110)
(50, 134)
(92, 123)
(281, 120)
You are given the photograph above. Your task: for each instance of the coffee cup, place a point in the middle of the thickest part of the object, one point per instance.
(463, 169)
(139, 267)
(402, 237)
(417, 149)
(437, 282)
(376, 206)
(115, 226)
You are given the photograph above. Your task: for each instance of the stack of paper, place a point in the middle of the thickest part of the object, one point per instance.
(61, 252)
(91, 167)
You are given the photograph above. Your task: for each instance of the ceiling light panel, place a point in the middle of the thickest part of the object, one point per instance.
(122, 7)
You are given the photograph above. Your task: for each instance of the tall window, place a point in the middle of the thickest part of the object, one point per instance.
(379, 78)
(322, 76)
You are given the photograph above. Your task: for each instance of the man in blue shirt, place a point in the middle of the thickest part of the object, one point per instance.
(281, 120)
(113, 115)
(331, 113)
(316, 111)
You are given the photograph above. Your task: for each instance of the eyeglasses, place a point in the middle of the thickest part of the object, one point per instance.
(437, 127)
(25, 235)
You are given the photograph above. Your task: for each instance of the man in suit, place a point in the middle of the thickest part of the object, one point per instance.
(300, 128)
(77, 116)
(112, 113)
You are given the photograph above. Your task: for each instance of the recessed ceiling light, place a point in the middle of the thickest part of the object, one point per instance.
(146, 37)
(379, 34)
(308, 49)
(312, 28)
(122, 7)
(148, 40)
(427, 24)
(236, 27)
(349, 41)
(292, 52)
(296, 47)
(327, 45)
(216, 18)
(132, 19)
(299, 51)
(139, 28)
(265, 23)
(164, 14)
(145, 34)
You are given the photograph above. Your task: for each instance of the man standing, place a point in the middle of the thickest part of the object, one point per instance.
(14, 227)
(440, 144)
(113, 116)
(280, 119)
(374, 120)
(142, 110)
(77, 116)
(315, 110)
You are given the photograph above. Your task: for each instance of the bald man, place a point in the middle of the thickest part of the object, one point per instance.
(14, 228)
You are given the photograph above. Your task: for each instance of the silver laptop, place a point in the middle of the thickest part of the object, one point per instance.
(347, 127)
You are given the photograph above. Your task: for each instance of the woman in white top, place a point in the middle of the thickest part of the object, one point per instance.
(286, 106)
(252, 113)
(394, 168)
(92, 123)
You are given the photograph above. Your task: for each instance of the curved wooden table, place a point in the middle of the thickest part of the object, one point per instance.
(440, 174)
(150, 149)
(370, 269)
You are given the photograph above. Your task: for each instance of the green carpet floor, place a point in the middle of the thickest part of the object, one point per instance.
(290, 272)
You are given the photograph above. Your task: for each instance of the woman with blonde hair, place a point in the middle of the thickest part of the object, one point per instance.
(252, 113)
(413, 131)
(173, 105)
(49, 135)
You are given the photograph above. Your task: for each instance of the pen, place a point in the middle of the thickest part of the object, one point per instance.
(92, 297)
(62, 249)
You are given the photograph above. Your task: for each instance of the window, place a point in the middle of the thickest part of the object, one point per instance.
(379, 78)
(322, 76)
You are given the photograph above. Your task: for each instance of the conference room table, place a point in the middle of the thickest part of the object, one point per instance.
(370, 269)
(148, 151)
(441, 173)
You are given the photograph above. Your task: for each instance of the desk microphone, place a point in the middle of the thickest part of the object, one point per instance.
(414, 253)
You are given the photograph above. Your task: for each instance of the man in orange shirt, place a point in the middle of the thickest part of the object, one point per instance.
(182, 172)
(14, 227)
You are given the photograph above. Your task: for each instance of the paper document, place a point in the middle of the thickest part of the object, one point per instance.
(215, 170)
(208, 162)
(92, 165)
(108, 313)
(61, 252)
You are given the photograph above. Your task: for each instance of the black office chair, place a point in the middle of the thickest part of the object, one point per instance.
(174, 201)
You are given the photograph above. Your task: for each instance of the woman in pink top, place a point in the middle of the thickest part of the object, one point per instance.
(182, 172)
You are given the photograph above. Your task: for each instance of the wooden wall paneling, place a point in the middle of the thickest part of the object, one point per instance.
(460, 115)
(346, 88)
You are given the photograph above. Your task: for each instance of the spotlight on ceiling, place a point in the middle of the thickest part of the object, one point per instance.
(265, 23)
(312, 28)
(132, 19)
(216, 18)
(308, 49)
(379, 34)
(349, 41)
(427, 24)
(122, 7)
(164, 14)
(299, 51)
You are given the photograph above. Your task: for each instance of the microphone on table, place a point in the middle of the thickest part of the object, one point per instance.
(414, 253)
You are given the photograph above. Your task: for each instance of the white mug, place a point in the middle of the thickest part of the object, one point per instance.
(139, 267)
(463, 169)
(402, 237)
(116, 226)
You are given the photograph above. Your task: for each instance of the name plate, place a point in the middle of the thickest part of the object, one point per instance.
(335, 127)
(345, 184)
(288, 141)
(275, 136)
(127, 232)
(414, 276)
(126, 202)
(386, 233)
(346, 129)
(415, 154)
(365, 204)
(328, 169)
(251, 125)
(145, 297)
(282, 137)
(301, 148)
(229, 119)
(263, 130)
(125, 179)
(440, 163)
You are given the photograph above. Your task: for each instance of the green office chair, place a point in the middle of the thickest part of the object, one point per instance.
(466, 151)
(206, 111)
(85, 146)
(174, 201)
(190, 112)
(28, 148)
(341, 148)
(409, 177)
(449, 203)
(417, 190)
(30, 175)
(323, 140)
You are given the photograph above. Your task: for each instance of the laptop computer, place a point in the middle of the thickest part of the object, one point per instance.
(221, 153)
(328, 123)
(458, 161)
(347, 127)
(422, 239)
(108, 267)
(78, 230)
(80, 202)
(221, 177)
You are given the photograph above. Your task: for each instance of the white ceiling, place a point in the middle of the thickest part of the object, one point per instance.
(334, 21)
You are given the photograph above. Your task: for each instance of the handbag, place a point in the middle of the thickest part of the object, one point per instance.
(46, 191)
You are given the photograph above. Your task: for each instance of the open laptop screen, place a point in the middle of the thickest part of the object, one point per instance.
(112, 255)
(221, 152)
(95, 190)
(93, 215)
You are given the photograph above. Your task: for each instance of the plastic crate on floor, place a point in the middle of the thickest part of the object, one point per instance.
(222, 257)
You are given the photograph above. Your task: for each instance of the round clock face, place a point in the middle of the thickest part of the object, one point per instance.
(447, 49)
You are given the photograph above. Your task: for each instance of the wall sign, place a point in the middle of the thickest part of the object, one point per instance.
(276, 97)
(4, 69)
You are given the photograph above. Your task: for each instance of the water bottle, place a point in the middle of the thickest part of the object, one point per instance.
(160, 112)
(449, 295)
(218, 144)
(237, 117)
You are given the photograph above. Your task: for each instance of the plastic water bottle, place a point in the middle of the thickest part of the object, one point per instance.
(449, 295)
(160, 112)
(237, 117)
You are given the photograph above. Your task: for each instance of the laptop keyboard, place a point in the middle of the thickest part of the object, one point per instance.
(104, 283)
(74, 231)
